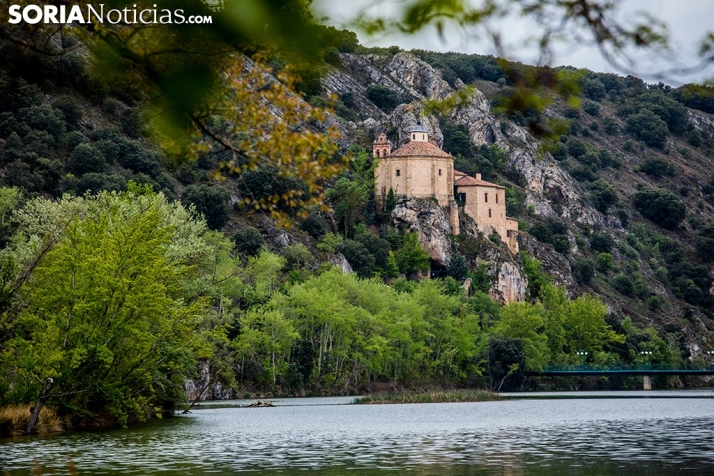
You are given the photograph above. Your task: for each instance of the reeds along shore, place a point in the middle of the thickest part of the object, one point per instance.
(14, 418)
(437, 396)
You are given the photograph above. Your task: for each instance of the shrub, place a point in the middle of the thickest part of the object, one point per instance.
(314, 225)
(43, 118)
(584, 270)
(582, 173)
(705, 243)
(605, 158)
(628, 146)
(648, 127)
(661, 206)
(70, 109)
(383, 97)
(75, 138)
(623, 285)
(695, 138)
(605, 261)
(591, 108)
(577, 148)
(559, 152)
(593, 88)
(143, 161)
(411, 257)
(602, 242)
(211, 202)
(359, 257)
(248, 241)
(657, 167)
(572, 113)
(610, 125)
(86, 159)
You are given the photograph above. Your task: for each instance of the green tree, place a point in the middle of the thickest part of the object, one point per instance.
(661, 206)
(458, 267)
(107, 315)
(411, 257)
(211, 202)
(525, 321)
(648, 127)
(348, 198)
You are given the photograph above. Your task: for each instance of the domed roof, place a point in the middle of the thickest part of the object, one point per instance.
(419, 149)
(418, 128)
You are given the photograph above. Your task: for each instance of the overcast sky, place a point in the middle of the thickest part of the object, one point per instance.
(687, 20)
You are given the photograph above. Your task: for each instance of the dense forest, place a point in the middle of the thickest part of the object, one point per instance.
(128, 258)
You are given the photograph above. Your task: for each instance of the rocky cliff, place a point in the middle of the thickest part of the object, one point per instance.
(550, 191)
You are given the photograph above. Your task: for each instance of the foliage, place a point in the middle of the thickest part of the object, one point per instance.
(359, 257)
(553, 232)
(248, 241)
(349, 198)
(457, 268)
(657, 167)
(106, 314)
(211, 202)
(601, 241)
(314, 225)
(584, 270)
(661, 206)
(602, 195)
(411, 257)
(86, 159)
(537, 277)
(383, 97)
(648, 127)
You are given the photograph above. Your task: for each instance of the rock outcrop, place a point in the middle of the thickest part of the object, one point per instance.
(431, 222)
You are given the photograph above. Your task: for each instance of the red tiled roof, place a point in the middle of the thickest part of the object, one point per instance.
(419, 149)
(467, 181)
(459, 174)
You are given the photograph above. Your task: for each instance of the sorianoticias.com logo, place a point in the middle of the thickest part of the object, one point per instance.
(69, 14)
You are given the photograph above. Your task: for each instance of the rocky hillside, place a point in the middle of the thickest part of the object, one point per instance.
(593, 203)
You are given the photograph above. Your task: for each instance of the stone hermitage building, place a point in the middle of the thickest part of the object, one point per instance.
(420, 169)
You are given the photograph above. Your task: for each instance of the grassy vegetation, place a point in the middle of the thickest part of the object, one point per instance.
(432, 396)
(14, 418)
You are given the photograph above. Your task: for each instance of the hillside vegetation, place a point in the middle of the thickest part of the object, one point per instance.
(123, 265)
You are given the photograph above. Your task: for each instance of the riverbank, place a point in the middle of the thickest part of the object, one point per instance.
(433, 396)
(14, 419)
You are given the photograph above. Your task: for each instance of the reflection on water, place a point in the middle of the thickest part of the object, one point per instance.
(602, 436)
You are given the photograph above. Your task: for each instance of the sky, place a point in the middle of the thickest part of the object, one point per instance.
(687, 21)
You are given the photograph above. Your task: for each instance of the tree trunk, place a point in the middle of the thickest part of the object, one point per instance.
(35, 412)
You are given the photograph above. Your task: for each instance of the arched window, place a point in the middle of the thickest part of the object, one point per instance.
(377, 152)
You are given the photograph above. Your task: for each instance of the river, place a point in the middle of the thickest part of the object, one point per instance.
(618, 433)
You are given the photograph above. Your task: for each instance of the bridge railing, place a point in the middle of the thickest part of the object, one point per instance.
(640, 367)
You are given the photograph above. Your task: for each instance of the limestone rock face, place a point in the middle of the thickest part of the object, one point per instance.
(431, 222)
(194, 388)
(341, 262)
(418, 77)
(510, 286)
(553, 262)
(406, 116)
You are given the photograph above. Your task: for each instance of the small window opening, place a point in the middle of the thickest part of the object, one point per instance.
(486, 198)
(462, 198)
(489, 213)
(423, 137)
(496, 198)
(398, 173)
(413, 136)
(377, 152)
(439, 171)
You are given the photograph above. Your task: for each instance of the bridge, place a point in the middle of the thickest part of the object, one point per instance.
(646, 370)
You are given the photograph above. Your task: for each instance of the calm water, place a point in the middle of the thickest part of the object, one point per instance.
(648, 436)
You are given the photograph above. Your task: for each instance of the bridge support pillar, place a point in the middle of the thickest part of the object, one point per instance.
(647, 382)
